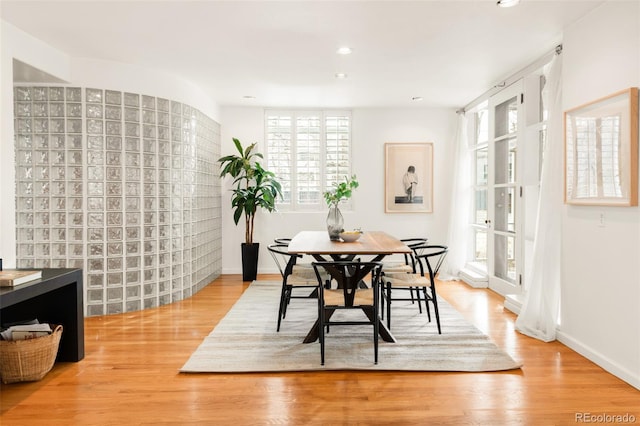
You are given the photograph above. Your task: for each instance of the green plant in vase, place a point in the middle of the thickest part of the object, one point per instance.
(333, 197)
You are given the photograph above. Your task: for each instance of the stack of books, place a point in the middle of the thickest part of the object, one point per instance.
(14, 277)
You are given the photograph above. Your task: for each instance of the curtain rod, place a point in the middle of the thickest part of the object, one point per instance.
(541, 61)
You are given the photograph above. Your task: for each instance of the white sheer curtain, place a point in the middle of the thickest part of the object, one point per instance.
(539, 315)
(458, 233)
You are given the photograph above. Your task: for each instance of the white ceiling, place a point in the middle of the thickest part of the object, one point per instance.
(284, 52)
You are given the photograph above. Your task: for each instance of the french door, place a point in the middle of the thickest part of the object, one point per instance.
(504, 218)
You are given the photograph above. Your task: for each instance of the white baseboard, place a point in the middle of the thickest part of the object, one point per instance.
(474, 279)
(609, 365)
(513, 302)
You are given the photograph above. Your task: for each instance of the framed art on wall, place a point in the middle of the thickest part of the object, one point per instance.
(601, 151)
(408, 186)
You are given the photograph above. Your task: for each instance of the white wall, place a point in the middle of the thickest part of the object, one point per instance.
(371, 129)
(600, 311)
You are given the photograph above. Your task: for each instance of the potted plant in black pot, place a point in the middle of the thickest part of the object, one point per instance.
(255, 188)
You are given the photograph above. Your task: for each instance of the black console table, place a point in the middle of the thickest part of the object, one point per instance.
(56, 298)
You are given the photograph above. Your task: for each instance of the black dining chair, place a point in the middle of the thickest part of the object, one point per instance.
(428, 264)
(348, 296)
(294, 276)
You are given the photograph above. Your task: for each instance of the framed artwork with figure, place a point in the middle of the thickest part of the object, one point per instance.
(408, 186)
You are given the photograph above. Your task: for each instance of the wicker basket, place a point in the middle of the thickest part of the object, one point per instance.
(28, 360)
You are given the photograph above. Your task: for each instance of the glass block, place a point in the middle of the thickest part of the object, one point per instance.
(24, 141)
(164, 133)
(132, 99)
(150, 275)
(149, 117)
(132, 188)
(58, 218)
(96, 280)
(41, 125)
(133, 248)
(149, 175)
(113, 112)
(133, 291)
(57, 157)
(96, 219)
(149, 203)
(75, 219)
(96, 111)
(95, 173)
(149, 131)
(59, 234)
(176, 121)
(94, 95)
(42, 203)
(40, 109)
(25, 157)
(132, 129)
(96, 265)
(75, 263)
(114, 264)
(74, 125)
(115, 293)
(133, 233)
(95, 188)
(114, 203)
(42, 234)
(94, 296)
(57, 142)
(114, 188)
(95, 203)
(114, 218)
(176, 135)
(114, 143)
(42, 188)
(150, 303)
(58, 263)
(56, 93)
(26, 250)
(114, 158)
(95, 249)
(74, 94)
(148, 102)
(132, 174)
(41, 157)
(150, 261)
(22, 93)
(132, 203)
(96, 234)
(43, 250)
(164, 147)
(113, 128)
(95, 310)
(149, 189)
(76, 250)
(163, 217)
(59, 249)
(56, 125)
(176, 107)
(132, 144)
(41, 173)
(163, 104)
(163, 203)
(114, 173)
(75, 189)
(133, 262)
(59, 203)
(150, 232)
(132, 115)
(163, 245)
(25, 234)
(95, 143)
(56, 110)
(23, 109)
(149, 247)
(40, 93)
(76, 234)
(113, 97)
(94, 126)
(132, 159)
(74, 110)
(163, 119)
(163, 189)
(74, 172)
(24, 125)
(74, 141)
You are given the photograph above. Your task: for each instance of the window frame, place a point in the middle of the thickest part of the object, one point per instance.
(322, 114)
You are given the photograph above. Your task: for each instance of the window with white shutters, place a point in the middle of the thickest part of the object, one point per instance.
(308, 151)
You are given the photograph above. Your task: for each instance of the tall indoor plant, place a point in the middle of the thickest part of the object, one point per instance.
(341, 191)
(255, 188)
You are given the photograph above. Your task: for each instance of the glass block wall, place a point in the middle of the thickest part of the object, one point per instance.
(122, 185)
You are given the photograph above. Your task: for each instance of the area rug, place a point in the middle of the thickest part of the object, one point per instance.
(246, 340)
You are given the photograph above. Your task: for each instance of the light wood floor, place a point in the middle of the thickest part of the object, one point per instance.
(130, 376)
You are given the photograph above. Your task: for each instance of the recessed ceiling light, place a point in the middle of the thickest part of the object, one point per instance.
(248, 97)
(341, 75)
(416, 98)
(344, 50)
(507, 3)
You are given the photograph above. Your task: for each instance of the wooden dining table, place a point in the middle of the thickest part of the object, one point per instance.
(371, 243)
